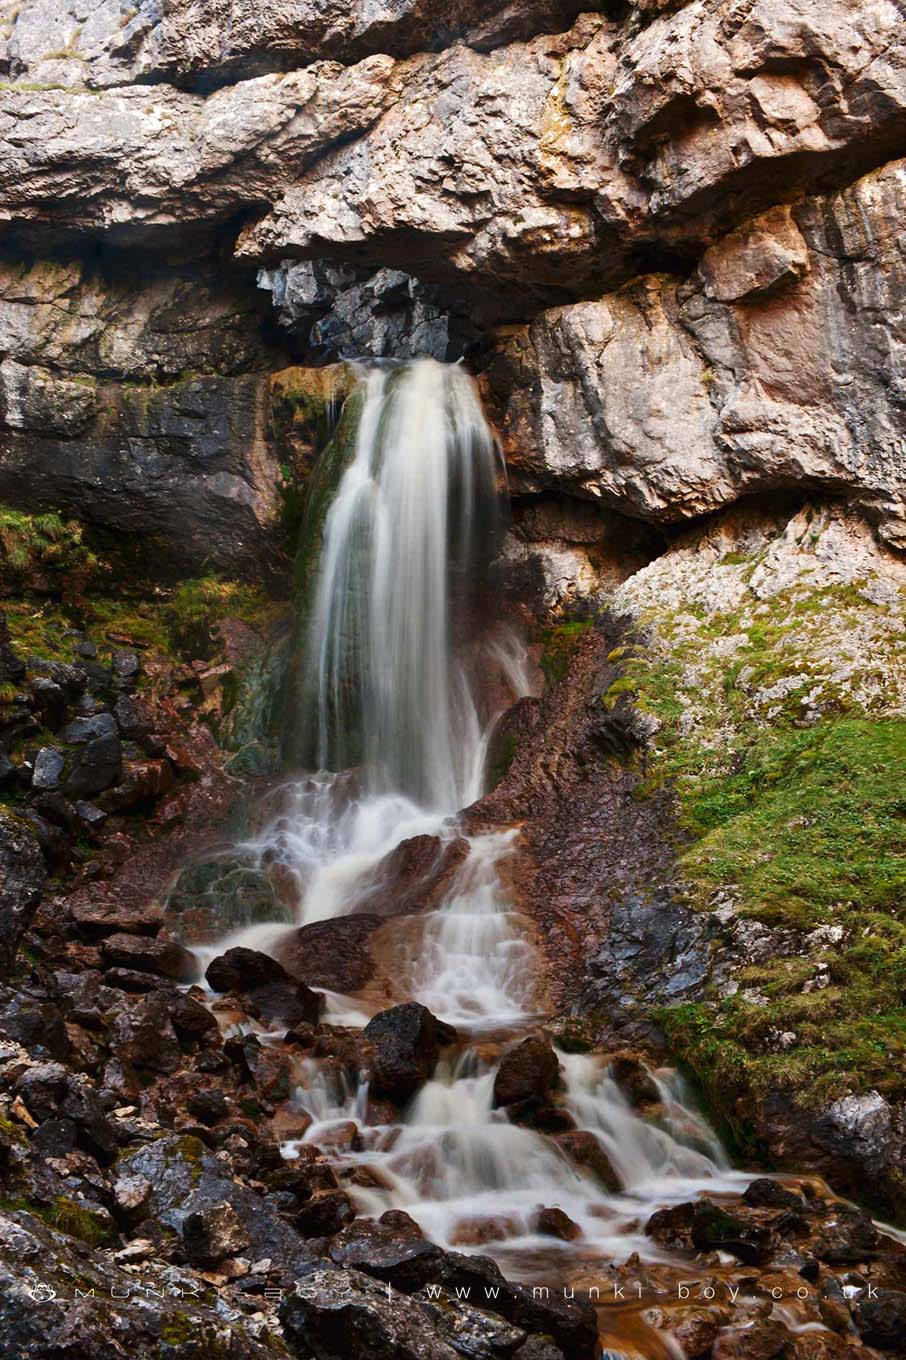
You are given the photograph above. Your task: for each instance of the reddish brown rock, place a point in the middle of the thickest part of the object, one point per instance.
(528, 1071)
(161, 956)
(332, 954)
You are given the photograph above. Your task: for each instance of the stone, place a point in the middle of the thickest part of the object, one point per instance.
(209, 1106)
(50, 701)
(211, 1233)
(759, 1340)
(770, 1194)
(882, 1320)
(162, 956)
(144, 1038)
(404, 1043)
(634, 1080)
(585, 1152)
(141, 782)
(131, 1197)
(553, 1222)
(332, 954)
(324, 1214)
(341, 1312)
(392, 1249)
(857, 1127)
(96, 914)
(241, 970)
(95, 767)
(528, 1071)
(22, 879)
(83, 730)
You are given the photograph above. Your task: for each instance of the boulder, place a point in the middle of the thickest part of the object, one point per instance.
(882, 1320)
(213, 1232)
(586, 1153)
(341, 1312)
(96, 766)
(404, 1044)
(332, 954)
(553, 1222)
(528, 1071)
(392, 1248)
(22, 879)
(242, 970)
(162, 956)
(141, 782)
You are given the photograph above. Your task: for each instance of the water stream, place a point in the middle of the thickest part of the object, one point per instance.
(399, 660)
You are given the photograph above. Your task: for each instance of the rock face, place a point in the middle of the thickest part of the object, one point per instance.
(769, 367)
(693, 211)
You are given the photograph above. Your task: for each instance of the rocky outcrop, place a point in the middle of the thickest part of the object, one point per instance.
(50, 43)
(771, 367)
(403, 200)
(140, 404)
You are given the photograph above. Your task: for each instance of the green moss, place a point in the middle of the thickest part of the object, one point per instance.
(559, 644)
(65, 1216)
(799, 812)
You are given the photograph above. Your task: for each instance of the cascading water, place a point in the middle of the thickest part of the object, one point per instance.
(391, 664)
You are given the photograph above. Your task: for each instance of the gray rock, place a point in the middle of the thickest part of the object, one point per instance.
(22, 879)
(95, 767)
(82, 730)
(212, 1233)
(858, 1127)
(342, 1312)
(47, 773)
(186, 1179)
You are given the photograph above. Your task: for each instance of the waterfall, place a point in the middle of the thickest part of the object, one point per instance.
(396, 660)
(387, 678)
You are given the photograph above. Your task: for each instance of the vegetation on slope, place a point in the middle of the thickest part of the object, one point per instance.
(780, 730)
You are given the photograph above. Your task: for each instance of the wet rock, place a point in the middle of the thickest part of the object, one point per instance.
(95, 767)
(882, 1320)
(760, 1340)
(34, 1022)
(707, 1227)
(161, 956)
(475, 1331)
(22, 879)
(242, 970)
(340, 1312)
(553, 1222)
(571, 1323)
(769, 1194)
(98, 915)
(634, 1080)
(846, 1234)
(392, 1249)
(143, 1036)
(208, 1106)
(271, 990)
(527, 1072)
(858, 1127)
(211, 1233)
(187, 1178)
(584, 1151)
(325, 1214)
(405, 1042)
(331, 954)
(414, 876)
(190, 1018)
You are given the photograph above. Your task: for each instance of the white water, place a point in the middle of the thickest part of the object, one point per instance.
(390, 646)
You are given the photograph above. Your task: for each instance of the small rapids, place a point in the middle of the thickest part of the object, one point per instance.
(402, 681)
